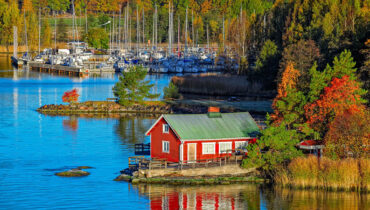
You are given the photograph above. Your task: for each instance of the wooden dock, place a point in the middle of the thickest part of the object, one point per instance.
(59, 69)
(68, 70)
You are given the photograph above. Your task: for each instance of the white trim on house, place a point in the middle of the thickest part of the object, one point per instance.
(209, 143)
(181, 150)
(156, 122)
(165, 149)
(165, 128)
(237, 138)
(225, 143)
(150, 129)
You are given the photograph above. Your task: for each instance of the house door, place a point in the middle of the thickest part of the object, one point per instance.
(192, 152)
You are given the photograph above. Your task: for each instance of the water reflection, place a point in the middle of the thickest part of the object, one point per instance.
(240, 196)
(131, 128)
(70, 124)
(283, 198)
(247, 196)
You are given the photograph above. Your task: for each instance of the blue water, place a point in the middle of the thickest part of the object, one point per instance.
(34, 146)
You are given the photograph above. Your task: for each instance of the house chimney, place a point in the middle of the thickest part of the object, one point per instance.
(213, 109)
(214, 112)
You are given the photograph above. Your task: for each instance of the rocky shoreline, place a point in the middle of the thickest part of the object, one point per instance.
(225, 180)
(113, 107)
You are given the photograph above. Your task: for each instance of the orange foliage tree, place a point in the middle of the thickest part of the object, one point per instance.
(343, 94)
(70, 96)
(349, 133)
(283, 104)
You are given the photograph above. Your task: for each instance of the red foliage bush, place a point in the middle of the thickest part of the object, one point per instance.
(70, 96)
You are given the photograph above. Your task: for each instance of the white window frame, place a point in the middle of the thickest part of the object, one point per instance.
(209, 153)
(225, 143)
(166, 128)
(241, 143)
(164, 148)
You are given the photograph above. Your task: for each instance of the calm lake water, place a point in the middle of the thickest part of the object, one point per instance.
(34, 146)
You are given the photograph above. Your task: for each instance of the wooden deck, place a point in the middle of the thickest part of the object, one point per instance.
(140, 162)
(59, 69)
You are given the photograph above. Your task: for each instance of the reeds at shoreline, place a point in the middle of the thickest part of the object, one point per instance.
(310, 172)
(216, 84)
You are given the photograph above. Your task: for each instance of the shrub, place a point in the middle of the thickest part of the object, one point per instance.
(70, 96)
(171, 92)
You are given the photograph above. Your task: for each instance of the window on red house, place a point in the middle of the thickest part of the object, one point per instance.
(166, 146)
(225, 147)
(208, 148)
(166, 128)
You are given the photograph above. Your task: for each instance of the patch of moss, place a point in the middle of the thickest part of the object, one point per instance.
(73, 173)
(123, 177)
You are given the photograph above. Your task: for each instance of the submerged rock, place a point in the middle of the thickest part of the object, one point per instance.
(73, 173)
(123, 177)
(84, 167)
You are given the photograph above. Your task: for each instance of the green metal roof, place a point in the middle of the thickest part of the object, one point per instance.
(203, 126)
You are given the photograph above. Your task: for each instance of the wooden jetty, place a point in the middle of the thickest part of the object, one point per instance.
(59, 69)
(141, 162)
(68, 70)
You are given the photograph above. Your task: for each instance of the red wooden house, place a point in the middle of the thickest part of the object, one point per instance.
(188, 137)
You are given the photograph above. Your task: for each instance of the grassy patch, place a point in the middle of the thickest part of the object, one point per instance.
(337, 175)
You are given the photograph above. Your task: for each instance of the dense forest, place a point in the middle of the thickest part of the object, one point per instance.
(265, 34)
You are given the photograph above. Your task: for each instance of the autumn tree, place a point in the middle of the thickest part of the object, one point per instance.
(343, 94)
(349, 134)
(10, 17)
(70, 96)
(46, 33)
(98, 38)
(303, 55)
(288, 97)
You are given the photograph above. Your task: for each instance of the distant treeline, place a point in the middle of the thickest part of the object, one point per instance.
(268, 33)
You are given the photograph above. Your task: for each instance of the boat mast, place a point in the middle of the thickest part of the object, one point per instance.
(207, 39)
(169, 28)
(55, 31)
(156, 26)
(119, 28)
(129, 24)
(86, 18)
(113, 30)
(192, 27)
(223, 31)
(25, 31)
(186, 33)
(39, 29)
(137, 30)
(143, 27)
(15, 41)
(178, 35)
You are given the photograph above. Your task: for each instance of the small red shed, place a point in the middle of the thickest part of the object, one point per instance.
(188, 137)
